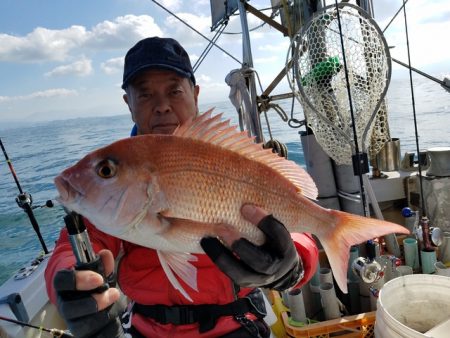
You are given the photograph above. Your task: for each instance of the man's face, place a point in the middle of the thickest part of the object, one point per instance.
(160, 101)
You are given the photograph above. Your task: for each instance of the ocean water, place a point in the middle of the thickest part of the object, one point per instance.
(39, 152)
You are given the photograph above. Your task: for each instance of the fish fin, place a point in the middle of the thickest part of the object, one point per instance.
(178, 264)
(220, 133)
(351, 230)
(192, 127)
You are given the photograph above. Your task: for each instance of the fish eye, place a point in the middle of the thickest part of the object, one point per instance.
(106, 168)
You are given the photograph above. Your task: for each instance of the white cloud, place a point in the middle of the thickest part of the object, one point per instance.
(49, 93)
(122, 32)
(202, 78)
(79, 68)
(112, 66)
(41, 44)
(193, 57)
(44, 44)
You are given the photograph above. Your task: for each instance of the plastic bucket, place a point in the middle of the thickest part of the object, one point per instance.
(412, 305)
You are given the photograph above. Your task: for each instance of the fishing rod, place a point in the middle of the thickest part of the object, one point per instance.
(431, 236)
(55, 332)
(24, 200)
(444, 83)
(359, 158)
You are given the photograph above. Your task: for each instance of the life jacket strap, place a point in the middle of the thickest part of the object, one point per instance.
(206, 315)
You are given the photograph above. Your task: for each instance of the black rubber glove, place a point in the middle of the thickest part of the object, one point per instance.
(275, 264)
(79, 309)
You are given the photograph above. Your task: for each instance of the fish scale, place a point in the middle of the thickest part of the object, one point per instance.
(225, 181)
(176, 189)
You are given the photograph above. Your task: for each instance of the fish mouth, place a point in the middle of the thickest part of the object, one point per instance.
(66, 191)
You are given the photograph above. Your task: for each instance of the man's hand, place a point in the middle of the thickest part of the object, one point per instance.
(275, 264)
(87, 304)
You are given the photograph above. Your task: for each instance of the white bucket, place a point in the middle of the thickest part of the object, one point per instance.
(410, 306)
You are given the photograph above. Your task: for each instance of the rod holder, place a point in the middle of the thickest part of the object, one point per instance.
(14, 300)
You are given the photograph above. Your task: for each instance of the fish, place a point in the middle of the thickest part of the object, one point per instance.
(167, 192)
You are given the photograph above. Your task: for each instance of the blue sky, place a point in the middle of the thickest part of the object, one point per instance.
(64, 58)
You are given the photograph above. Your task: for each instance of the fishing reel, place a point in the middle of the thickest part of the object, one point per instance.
(427, 235)
(48, 204)
(368, 269)
(25, 199)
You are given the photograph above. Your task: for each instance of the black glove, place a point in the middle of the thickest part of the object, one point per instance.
(274, 265)
(79, 309)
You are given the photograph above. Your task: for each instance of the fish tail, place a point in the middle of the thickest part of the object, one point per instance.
(349, 230)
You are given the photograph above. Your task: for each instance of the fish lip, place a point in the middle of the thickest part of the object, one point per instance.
(65, 189)
(62, 186)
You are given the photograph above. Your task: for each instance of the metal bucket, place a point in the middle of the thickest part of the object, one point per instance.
(388, 159)
(444, 249)
(439, 161)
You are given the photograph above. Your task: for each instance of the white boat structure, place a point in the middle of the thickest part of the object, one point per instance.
(339, 67)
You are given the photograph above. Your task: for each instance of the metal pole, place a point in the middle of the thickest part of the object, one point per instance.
(255, 123)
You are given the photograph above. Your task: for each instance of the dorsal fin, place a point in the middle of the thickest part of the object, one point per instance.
(215, 131)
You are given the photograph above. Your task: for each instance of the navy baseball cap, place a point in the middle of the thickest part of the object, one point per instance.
(156, 52)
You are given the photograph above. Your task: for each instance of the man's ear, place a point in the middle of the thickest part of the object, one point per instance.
(196, 92)
(125, 98)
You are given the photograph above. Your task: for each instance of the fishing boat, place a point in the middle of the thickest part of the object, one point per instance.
(338, 67)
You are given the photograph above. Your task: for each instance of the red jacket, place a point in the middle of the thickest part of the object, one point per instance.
(142, 279)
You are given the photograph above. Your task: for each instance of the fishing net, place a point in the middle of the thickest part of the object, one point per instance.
(319, 80)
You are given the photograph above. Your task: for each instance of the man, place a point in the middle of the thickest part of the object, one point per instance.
(161, 94)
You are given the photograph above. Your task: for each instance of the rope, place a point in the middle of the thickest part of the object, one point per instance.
(209, 46)
(203, 36)
(293, 122)
(428, 76)
(401, 7)
(277, 147)
(272, 16)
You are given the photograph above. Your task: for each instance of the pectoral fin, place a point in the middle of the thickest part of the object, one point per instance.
(178, 264)
(183, 234)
